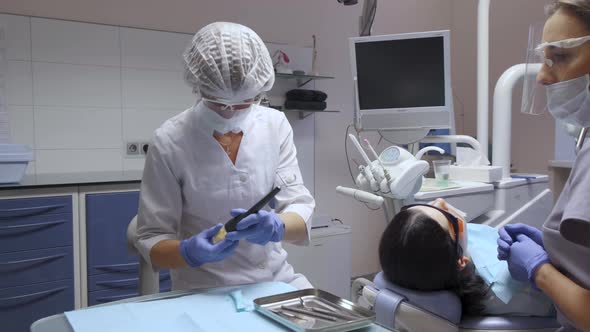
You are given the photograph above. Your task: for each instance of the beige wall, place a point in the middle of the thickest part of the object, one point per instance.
(532, 137)
(294, 22)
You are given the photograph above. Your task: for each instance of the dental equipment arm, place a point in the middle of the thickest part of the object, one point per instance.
(502, 114)
(454, 139)
(421, 153)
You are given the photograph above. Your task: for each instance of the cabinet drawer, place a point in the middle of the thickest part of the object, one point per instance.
(118, 281)
(36, 266)
(107, 218)
(124, 269)
(111, 295)
(36, 232)
(21, 306)
(26, 207)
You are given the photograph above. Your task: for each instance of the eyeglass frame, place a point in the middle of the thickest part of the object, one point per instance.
(451, 218)
(225, 105)
(565, 43)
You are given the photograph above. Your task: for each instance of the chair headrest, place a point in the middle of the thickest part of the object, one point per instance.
(444, 304)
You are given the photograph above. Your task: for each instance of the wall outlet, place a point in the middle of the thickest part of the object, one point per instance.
(133, 148)
(143, 147)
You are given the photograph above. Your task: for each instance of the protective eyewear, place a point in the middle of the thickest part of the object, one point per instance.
(565, 43)
(550, 56)
(221, 105)
(452, 219)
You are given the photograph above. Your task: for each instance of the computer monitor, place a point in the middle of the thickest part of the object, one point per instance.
(402, 82)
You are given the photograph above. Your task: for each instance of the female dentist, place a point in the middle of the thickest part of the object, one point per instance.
(557, 259)
(225, 153)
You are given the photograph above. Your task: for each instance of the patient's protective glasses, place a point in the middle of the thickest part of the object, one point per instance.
(453, 220)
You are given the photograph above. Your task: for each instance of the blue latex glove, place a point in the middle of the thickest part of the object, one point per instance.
(525, 257)
(199, 249)
(258, 228)
(508, 235)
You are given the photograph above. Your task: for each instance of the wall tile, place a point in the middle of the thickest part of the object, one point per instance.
(153, 49)
(76, 85)
(155, 89)
(77, 128)
(18, 36)
(73, 161)
(133, 164)
(19, 83)
(141, 124)
(75, 43)
(21, 124)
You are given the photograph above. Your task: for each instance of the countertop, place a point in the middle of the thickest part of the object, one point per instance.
(66, 179)
(561, 163)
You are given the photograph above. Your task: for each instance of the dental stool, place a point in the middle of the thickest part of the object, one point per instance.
(409, 310)
(149, 280)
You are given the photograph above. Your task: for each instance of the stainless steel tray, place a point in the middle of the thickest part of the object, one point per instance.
(325, 303)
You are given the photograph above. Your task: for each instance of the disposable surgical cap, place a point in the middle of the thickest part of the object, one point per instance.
(228, 61)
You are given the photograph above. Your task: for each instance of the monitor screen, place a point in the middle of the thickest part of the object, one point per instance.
(405, 73)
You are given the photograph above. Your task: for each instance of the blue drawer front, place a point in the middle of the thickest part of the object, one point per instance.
(36, 266)
(120, 281)
(107, 217)
(26, 207)
(36, 232)
(21, 306)
(106, 296)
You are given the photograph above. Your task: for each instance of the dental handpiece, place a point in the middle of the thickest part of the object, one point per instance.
(231, 225)
(377, 175)
(368, 169)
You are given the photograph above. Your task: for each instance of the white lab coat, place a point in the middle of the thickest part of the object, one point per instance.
(190, 184)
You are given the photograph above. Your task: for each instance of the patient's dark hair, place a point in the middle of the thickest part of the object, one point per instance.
(417, 253)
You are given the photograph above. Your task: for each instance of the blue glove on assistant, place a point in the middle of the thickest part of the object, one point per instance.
(509, 233)
(199, 249)
(525, 257)
(258, 228)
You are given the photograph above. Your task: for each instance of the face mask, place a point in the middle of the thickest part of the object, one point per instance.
(569, 101)
(222, 124)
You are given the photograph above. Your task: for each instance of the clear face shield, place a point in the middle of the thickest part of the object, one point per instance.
(533, 93)
(556, 80)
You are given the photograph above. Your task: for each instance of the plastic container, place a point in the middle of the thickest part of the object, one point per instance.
(14, 159)
(442, 171)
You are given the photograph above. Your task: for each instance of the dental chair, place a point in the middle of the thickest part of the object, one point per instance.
(409, 310)
(149, 280)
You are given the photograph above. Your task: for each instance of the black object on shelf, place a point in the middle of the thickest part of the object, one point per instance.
(306, 95)
(305, 105)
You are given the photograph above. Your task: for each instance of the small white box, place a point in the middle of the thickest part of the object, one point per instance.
(14, 159)
(487, 174)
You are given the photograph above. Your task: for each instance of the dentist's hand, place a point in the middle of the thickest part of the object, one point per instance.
(258, 228)
(509, 233)
(199, 249)
(525, 257)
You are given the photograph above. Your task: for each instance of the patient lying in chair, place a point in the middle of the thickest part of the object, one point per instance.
(430, 248)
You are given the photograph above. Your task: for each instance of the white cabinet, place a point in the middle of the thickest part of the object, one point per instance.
(326, 262)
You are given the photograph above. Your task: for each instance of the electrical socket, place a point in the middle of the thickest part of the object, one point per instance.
(132, 149)
(143, 147)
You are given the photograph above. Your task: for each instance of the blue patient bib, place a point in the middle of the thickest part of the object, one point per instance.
(481, 240)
